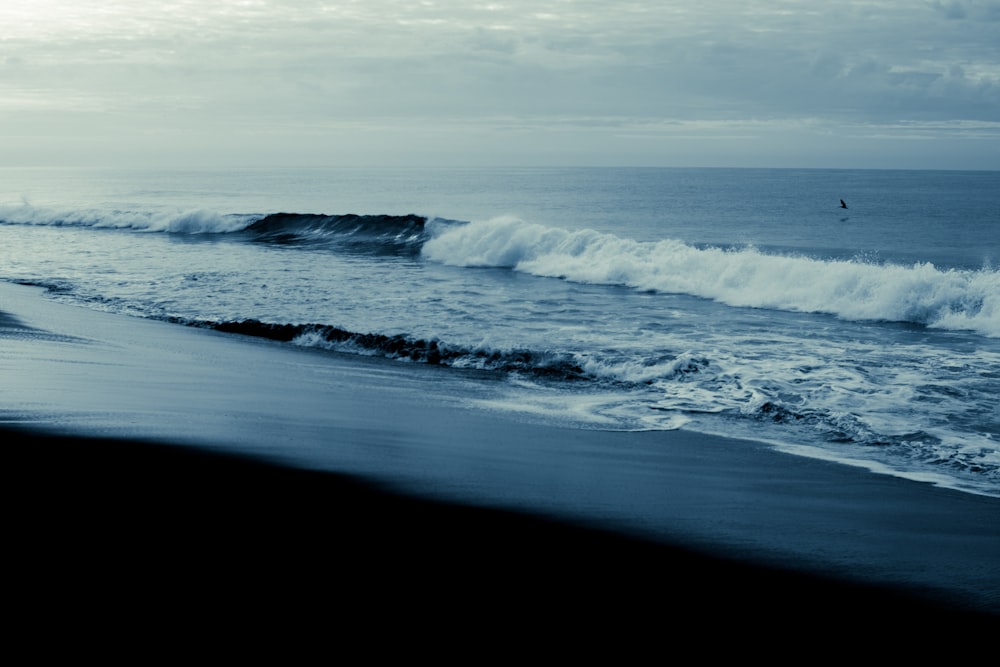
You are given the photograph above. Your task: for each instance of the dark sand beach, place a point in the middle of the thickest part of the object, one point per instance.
(149, 465)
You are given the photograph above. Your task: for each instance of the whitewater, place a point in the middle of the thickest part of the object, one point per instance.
(853, 290)
(600, 299)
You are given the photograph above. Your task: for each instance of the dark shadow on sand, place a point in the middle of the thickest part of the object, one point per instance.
(147, 527)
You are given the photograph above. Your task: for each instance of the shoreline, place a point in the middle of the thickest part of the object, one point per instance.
(587, 521)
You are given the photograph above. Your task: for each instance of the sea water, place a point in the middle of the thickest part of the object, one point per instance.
(744, 302)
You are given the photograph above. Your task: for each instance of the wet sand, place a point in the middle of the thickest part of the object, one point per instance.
(154, 463)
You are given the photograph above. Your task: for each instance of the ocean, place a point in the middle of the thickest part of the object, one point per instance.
(741, 302)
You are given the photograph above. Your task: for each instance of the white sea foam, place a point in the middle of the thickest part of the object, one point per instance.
(746, 277)
(194, 221)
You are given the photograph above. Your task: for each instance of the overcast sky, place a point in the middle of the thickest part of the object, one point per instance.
(831, 83)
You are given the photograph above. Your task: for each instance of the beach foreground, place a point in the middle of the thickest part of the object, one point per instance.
(153, 463)
(117, 533)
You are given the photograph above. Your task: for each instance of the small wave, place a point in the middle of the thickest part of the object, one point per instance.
(921, 293)
(195, 221)
(557, 365)
(434, 352)
(52, 285)
(276, 227)
(379, 233)
(928, 449)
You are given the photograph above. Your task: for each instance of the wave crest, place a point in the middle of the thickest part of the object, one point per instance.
(194, 221)
(398, 346)
(744, 277)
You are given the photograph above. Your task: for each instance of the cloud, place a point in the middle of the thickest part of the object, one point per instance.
(975, 10)
(349, 74)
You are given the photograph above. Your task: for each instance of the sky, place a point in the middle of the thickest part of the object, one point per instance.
(742, 83)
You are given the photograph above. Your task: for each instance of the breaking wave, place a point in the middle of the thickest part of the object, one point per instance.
(744, 277)
(195, 221)
(435, 352)
(381, 234)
